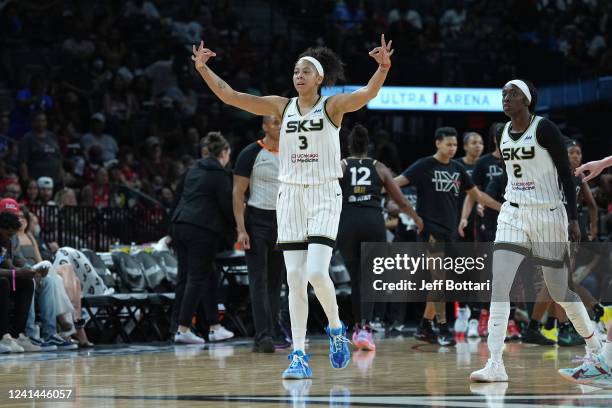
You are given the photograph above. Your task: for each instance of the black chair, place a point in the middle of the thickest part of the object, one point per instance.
(169, 264)
(100, 267)
(130, 271)
(154, 274)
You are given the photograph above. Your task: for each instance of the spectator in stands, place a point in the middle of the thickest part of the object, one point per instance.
(16, 283)
(203, 213)
(45, 186)
(141, 8)
(53, 299)
(154, 164)
(66, 197)
(403, 11)
(107, 143)
(31, 193)
(13, 191)
(348, 14)
(453, 19)
(99, 193)
(79, 46)
(40, 154)
(6, 177)
(119, 104)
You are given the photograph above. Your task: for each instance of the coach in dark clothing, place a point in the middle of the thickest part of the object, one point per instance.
(202, 214)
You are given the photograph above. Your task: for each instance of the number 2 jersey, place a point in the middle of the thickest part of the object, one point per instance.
(309, 148)
(536, 161)
(361, 184)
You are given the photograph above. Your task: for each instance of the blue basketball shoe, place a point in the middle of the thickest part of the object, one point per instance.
(339, 352)
(593, 370)
(298, 368)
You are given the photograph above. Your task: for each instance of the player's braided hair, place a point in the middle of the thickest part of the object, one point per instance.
(214, 143)
(9, 221)
(358, 140)
(332, 64)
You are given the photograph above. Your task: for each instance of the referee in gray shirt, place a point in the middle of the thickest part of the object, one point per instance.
(256, 173)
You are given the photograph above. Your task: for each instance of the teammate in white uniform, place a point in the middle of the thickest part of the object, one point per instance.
(310, 198)
(532, 221)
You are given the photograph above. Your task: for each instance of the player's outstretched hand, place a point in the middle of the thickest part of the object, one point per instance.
(594, 168)
(382, 54)
(201, 55)
(462, 224)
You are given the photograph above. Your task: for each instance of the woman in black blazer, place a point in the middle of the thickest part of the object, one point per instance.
(202, 214)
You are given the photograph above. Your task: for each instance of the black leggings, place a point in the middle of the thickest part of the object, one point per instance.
(357, 225)
(196, 249)
(22, 298)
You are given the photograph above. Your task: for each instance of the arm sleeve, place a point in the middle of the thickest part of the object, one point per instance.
(549, 137)
(246, 160)
(497, 186)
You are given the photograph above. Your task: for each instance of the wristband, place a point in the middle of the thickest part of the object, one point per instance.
(385, 66)
(14, 282)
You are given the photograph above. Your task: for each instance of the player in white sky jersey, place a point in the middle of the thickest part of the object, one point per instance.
(309, 201)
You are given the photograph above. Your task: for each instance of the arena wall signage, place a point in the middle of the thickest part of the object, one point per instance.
(430, 99)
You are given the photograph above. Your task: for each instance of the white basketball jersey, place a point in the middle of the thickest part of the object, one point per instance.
(532, 175)
(309, 148)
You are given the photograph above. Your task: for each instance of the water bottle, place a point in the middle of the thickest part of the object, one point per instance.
(133, 248)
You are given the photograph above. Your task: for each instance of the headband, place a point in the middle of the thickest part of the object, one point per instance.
(316, 64)
(522, 86)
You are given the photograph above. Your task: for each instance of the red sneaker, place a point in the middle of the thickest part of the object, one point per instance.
(513, 332)
(483, 323)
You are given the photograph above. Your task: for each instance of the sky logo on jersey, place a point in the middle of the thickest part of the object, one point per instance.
(304, 125)
(445, 181)
(518, 153)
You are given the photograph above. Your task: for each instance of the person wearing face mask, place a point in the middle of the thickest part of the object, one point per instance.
(202, 213)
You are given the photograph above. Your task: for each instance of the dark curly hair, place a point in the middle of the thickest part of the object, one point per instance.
(358, 140)
(333, 66)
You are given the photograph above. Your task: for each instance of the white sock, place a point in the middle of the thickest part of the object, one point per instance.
(295, 263)
(505, 265)
(317, 266)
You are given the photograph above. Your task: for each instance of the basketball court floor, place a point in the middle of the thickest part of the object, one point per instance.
(402, 372)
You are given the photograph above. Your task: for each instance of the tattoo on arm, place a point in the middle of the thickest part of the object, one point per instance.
(221, 84)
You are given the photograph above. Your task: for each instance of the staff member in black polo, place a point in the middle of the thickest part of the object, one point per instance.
(256, 171)
(203, 212)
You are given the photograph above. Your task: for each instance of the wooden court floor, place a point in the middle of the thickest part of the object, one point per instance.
(402, 372)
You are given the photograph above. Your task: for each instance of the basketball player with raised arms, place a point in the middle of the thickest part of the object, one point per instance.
(533, 220)
(309, 200)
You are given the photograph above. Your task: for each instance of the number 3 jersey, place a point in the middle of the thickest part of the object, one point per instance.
(361, 184)
(532, 175)
(309, 149)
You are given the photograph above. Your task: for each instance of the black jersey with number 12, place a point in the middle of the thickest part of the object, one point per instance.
(361, 184)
